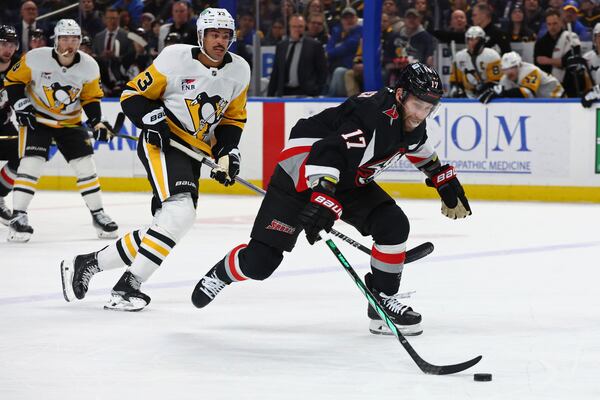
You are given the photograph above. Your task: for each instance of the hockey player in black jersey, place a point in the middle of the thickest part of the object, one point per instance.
(327, 171)
(9, 142)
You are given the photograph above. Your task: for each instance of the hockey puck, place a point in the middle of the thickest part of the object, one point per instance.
(482, 377)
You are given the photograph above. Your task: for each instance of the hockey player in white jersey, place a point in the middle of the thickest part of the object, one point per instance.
(48, 88)
(195, 96)
(592, 59)
(522, 80)
(475, 68)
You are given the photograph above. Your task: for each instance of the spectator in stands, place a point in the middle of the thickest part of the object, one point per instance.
(341, 50)
(426, 15)
(521, 79)
(86, 45)
(317, 28)
(299, 68)
(570, 15)
(519, 32)
(29, 12)
(146, 21)
(313, 6)
(592, 59)
(462, 5)
(275, 34)
(38, 39)
(180, 11)
(390, 8)
(557, 50)
(534, 15)
(91, 20)
(125, 21)
(288, 8)
(496, 39)
(590, 13)
(417, 42)
(333, 12)
(112, 47)
(135, 8)
(458, 27)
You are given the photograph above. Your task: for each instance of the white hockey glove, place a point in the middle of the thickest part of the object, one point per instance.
(591, 97)
(155, 129)
(228, 167)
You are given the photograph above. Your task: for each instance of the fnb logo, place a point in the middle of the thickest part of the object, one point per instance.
(188, 84)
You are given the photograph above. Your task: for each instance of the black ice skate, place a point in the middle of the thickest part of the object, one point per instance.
(207, 289)
(76, 275)
(19, 229)
(407, 321)
(106, 228)
(126, 295)
(5, 213)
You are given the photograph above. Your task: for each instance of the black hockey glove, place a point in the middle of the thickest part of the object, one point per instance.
(494, 92)
(228, 167)
(456, 91)
(155, 129)
(591, 97)
(321, 211)
(454, 201)
(102, 130)
(25, 113)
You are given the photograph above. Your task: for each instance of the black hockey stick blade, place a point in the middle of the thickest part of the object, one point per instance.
(418, 252)
(422, 364)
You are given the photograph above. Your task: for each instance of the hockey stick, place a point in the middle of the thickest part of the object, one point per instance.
(422, 364)
(116, 128)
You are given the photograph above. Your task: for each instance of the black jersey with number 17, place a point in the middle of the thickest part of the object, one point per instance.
(353, 142)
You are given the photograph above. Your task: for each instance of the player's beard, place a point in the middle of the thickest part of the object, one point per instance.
(410, 123)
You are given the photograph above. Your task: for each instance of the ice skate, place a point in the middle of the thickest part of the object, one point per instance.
(5, 213)
(407, 320)
(76, 275)
(207, 289)
(106, 228)
(19, 229)
(126, 295)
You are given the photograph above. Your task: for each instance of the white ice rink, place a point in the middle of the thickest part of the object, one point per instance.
(517, 283)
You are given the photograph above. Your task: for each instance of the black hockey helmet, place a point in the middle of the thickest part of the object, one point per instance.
(8, 33)
(86, 41)
(421, 81)
(173, 38)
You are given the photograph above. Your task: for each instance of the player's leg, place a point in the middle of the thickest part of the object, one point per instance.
(275, 231)
(9, 151)
(33, 150)
(373, 212)
(174, 178)
(75, 146)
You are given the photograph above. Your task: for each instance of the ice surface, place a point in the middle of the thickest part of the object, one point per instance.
(516, 282)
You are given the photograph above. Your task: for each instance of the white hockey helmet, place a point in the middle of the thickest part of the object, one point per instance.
(596, 30)
(66, 27)
(214, 18)
(475, 32)
(510, 60)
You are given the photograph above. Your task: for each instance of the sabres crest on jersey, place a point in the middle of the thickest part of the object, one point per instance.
(58, 96)
(205, 112)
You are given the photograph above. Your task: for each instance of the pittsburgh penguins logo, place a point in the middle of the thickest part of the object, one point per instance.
(205, 112)
(60, 97)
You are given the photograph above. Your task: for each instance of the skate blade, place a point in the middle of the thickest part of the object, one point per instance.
(106, 235)
(378, 327)
(118, 303)
(16, 237)
(66, 274)
(4, 221)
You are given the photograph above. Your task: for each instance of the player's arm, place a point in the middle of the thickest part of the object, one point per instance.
(443, 178)
(227, 135)
(90, 97)
(141, 103)
(15, 82)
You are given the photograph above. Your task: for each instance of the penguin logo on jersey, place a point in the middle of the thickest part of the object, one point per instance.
(205, 112)
(60, 97)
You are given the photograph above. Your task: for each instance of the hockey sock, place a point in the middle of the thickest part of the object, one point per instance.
(387, 263)
(256, 261)
(229, 268)
(7, 179)
(171, 223)
(122, 252)
(87, 182)
(25, 184)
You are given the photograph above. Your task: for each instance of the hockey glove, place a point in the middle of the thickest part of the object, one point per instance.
(25, 113)
(228, 167)
(591, 97)
(454, 201)
(492, 93)
(155, 129)
(321, 211)
(102, 130)
(456, 91)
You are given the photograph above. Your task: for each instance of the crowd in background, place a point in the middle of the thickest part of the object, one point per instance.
(318, 42)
